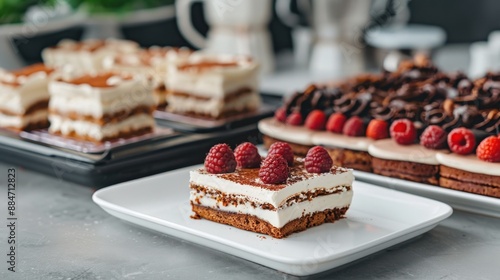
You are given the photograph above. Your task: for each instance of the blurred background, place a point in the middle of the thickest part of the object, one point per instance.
(312, 39)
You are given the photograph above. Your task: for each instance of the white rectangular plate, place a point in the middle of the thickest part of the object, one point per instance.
(457, 199)
(378, 218)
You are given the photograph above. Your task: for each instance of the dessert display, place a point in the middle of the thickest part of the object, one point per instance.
(24, 98)
(101, 107)
(213, 86)
(153, 62)
(278, 195)
(83, 57)
(417, 124)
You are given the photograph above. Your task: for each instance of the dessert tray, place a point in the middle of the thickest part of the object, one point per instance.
(457, 199)
(378, 218)
(43, 136)
(196, 124)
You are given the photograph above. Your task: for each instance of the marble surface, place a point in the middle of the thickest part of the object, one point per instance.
(62, 234)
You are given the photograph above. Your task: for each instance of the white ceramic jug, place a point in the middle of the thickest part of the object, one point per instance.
(236, 27)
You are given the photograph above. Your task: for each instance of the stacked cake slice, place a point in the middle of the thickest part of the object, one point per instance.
(214, 86)
(101, 107)
(24, 98)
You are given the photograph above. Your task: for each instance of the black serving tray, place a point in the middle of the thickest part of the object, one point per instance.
(122, 163)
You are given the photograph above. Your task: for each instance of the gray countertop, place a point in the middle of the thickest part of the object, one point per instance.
(62, 234)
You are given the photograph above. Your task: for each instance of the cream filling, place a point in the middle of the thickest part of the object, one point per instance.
(22, 121)
(329, 139)
(96, 102)
(469, 163)
(17, 99)
(390, 150)
(95, 131)
(280, 216)
(294, 134)
(213, 107)
(274, 197)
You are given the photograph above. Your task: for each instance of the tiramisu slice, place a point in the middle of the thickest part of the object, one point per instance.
(24, 98)
(275, 199)
(87, 56)
(154, 63)
(214, 86)
(101, 107)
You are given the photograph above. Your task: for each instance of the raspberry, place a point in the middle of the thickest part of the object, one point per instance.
(336, 123)
(461, 141)
(403, 131)
(294, 119)
(433, 137)
(318, 160)
(220, 159)
(354, 126)
(282, 149)
(247, 155)
(316, 120)
(274, 170)
(377, 129)
(280, 114)
(489, 149)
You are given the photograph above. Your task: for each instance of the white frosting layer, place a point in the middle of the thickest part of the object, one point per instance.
(215, 81)
(213, 107)
(17, 99)
(294, 134)
(88, 129)
(274, 197)
(96, 102)
(280, 217)
(328, 139)
(22, 121)
(388, 149)
(469, 163)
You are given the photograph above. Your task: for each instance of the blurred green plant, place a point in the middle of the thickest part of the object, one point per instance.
(117, 6)
(12, 11)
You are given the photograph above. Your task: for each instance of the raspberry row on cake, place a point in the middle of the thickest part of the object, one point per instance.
(214, 86)
(282, 196)
(400, 125)
(101, 107)
(24, 98)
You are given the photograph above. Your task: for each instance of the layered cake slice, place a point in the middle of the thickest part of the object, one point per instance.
(24, 98)
(154, 62)
(82, 57)
(281, 197)
(214, 86)
(101, 107)
(464, 171)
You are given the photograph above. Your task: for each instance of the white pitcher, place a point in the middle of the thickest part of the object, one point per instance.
(236, 27)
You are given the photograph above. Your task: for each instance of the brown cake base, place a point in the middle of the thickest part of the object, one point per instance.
(466, 181)
(357, 160)
(252, 223)
(412, 171)
(298, 149)
(30, 126)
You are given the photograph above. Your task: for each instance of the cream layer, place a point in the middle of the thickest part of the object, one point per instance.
(281, 216)
(213, 107)
(83, 128)
(22, 121)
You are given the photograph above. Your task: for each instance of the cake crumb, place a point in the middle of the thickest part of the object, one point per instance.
(195, 217)
(262, 237)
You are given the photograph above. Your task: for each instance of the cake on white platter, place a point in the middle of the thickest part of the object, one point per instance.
(282, 196)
